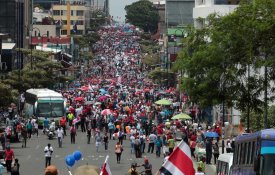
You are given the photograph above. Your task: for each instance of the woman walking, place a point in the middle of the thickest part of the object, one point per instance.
(118, 151)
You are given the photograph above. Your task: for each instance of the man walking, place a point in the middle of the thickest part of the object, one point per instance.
(9, 157)
(48, 154)
(152, 140)
(73, 134)
(62, 123)
(60, 135)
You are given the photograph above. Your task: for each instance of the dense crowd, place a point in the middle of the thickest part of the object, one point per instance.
(114, 100)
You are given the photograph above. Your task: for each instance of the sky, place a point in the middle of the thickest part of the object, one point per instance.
(117, 8)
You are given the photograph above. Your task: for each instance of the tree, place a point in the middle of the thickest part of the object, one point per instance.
(7, 96)
(44, 72)
(143, 14)
(223, 62)
(160, 76)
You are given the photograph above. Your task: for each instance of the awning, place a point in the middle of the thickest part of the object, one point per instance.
(177, 32)
(8, 46)
(46, 49)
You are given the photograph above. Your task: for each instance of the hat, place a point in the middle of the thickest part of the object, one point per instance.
(51, 170)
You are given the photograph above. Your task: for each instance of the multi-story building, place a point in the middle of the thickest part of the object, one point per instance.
(203, 8)
(179, 12)
(71, 17)
(15, 18)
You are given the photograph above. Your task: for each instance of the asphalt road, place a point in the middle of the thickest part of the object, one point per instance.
(32, 158)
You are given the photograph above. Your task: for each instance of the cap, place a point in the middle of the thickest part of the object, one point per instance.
(52, 170)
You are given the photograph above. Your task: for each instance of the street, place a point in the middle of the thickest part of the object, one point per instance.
(32, 159)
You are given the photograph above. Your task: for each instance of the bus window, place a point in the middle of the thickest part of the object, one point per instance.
(240, 154)
(248, 153)
(252, 153)
(244, 153)
(43, 109)
(57, 109)
(236, 155)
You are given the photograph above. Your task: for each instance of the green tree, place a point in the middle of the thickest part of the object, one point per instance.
(7, 96)
(143, 14)
(223, 61)
(43, 72)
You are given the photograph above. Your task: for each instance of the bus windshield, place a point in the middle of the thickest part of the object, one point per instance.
(50, 109)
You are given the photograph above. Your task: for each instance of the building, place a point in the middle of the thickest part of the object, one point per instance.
(15, 19)
(179, 12)
(203, 8)
(71, 17)
(160, 6)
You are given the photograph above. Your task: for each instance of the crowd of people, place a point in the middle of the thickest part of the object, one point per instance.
(114, 100)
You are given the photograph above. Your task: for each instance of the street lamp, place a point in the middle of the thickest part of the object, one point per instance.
(30, 30)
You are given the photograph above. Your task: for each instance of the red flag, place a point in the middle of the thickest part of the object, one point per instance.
(106, 168)
(179, 162)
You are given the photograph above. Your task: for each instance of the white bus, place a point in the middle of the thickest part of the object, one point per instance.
(224, 164)
(44, 103)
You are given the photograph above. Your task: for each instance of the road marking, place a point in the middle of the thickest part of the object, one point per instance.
(100, 156)
(56, 156)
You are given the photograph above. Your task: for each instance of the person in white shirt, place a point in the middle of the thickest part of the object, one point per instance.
(60, 135)
(48, 150)
(132, 139)
(152, 140)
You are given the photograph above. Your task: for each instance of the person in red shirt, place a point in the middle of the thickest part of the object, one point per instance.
(62, 123)
(9, 157)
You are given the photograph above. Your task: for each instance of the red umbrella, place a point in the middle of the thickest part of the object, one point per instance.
(102, 98)
(106, 112)
(84, 88)
(146, 90)
(79, 99)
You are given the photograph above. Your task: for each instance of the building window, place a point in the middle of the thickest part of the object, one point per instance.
(63, 12)
(226, 2)
(63, 32)
(56, 12)
(79, 32)
(79, 13)
(64, 22)
(80, 22)
(72, 13)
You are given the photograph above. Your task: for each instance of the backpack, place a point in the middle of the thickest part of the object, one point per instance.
(158, 143)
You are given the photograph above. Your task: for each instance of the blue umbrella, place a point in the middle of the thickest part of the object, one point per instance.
(211, 134)
(103, 92)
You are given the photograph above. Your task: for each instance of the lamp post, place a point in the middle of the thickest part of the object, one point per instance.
(30, 30)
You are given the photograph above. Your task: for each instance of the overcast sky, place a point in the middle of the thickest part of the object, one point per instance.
(117, 8)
